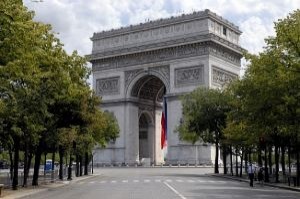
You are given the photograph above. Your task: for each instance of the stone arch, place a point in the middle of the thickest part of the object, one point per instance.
(146, 137)
(149, 116)
(162, 73)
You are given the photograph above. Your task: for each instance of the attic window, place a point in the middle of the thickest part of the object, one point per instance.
(224, 31)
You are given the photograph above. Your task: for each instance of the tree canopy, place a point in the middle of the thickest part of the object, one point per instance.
(46, 104)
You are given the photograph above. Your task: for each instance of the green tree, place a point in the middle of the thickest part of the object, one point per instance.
(267, 98)
(204, 115)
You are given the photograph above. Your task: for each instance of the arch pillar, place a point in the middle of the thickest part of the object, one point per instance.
(131, 134)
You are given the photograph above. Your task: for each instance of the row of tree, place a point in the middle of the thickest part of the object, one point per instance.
(258, 114)
(46, 104)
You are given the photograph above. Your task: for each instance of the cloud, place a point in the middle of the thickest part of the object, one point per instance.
(77, 20)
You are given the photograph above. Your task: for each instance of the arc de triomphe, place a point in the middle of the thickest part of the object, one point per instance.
(135, 67)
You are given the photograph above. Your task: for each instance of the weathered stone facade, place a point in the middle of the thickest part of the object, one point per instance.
(135, 67)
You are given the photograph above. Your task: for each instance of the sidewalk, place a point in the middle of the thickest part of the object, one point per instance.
(30, 190)
(243, 179)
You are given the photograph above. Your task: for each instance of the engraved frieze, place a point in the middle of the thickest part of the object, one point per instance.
(152, 56)
(108, 86)
(221, 77)
(189, 76)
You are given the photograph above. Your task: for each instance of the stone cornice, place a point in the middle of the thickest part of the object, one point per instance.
(122, 101)
(164, 22)
(167, 54)
(170, 43)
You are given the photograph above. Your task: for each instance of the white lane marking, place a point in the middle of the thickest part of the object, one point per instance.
(135, 180)
(103, 181)
(175, 191)
(168, 180)
(113, 181)
(157, 180)
(80, 182)
(146, 181)
(125, 181)
(179, 180)
(191, 181)
(92, 182)
(201, 181)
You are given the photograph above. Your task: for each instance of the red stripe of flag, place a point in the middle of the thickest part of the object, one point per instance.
(163, 131)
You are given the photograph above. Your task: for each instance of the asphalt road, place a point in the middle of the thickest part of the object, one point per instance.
(165, 183)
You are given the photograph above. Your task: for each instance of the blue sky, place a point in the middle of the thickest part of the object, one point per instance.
(75, 21)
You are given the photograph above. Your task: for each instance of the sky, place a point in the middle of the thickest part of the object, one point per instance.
(75, 21)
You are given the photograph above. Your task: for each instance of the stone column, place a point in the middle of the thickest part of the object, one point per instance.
(131, 134)
(173, 120)
(151, 142)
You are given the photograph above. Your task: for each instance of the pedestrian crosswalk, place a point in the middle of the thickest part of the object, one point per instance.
(124, 181)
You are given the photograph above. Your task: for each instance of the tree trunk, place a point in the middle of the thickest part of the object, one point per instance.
(16, 163)
(37, 162)
(27, 165)
(231, 164)
(266, 166)
(86, 163)
(61, 163)
(70, 167)
(259, 161)
(45, 162)
(298, 166)
(11, 168)
(217, 155)
(81, 163)
(283, 159)
(225, 160)
(241, 168)
(53, 161)
(236, 163)
(249, 156)
(270, 159)
(289, 158)
(77, 165)
(246, 161)
(276, 163)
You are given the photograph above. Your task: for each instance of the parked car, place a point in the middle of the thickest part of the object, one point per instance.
(4, 164)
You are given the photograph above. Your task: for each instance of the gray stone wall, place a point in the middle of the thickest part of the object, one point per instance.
(184, 52)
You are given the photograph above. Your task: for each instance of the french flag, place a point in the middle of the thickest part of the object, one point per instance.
(164, 124)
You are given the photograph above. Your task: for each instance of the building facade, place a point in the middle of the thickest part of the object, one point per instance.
(135, 68)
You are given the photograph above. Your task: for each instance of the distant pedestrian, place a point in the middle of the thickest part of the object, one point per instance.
(260, 176)
(251, 171)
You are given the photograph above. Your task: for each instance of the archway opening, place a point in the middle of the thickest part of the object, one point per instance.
(149, 92)
(144, 148)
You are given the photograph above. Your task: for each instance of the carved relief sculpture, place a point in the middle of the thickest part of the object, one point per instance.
(189, 76)
(221, 77)
(108, 86)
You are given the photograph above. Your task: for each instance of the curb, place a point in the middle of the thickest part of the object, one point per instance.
(58, 184)
(265, 184)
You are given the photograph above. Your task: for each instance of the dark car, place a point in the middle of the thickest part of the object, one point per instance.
(4, 164)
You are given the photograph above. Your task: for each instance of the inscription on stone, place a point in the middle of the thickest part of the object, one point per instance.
(108, 86)
(189, 76)
(222, 77)
(149, 35)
